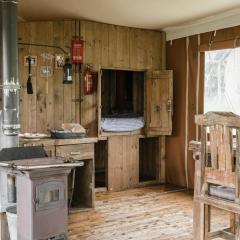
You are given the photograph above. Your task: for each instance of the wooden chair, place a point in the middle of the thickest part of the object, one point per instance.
(217, 173)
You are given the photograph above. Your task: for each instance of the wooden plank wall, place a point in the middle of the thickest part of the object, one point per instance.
(105, 45)
(123, 168)
(52, 103)
(122, 47)
(118, 47)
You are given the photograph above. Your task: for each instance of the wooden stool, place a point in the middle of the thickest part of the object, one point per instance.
(217, 173)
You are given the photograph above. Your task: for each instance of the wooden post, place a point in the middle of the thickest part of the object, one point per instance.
(198, 207)
(207, 220)
(237, 217)
(198, 220)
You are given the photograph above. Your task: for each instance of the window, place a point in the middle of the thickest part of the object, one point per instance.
(222, 81)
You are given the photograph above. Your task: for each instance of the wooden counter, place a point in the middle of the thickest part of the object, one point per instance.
(56, 142)
(120, 162)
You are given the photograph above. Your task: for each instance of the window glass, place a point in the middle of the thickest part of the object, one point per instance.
(222, 81)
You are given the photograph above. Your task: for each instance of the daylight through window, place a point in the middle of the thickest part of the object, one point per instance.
(222, 80)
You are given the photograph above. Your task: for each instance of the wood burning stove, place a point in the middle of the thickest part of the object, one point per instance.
(42, 202)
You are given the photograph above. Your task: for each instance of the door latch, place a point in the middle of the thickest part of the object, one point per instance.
(169, 105)
(157, 108)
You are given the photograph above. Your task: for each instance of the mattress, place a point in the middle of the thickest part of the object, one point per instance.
(122, 124)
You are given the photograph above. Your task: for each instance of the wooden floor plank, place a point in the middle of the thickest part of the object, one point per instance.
(147, 213)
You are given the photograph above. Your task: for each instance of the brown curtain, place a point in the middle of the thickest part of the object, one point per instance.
(187, 63)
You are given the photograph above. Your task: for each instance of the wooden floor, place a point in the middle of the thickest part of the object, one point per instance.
(159, 212)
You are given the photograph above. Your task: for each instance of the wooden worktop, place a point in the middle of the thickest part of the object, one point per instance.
(57, 142)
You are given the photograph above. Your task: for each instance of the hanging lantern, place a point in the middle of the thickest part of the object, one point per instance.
(88, 81)
(67, 72)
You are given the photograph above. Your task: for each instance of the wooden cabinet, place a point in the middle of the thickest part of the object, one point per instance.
(81, 180)
(158, 102)
(123, 162)
(148, 94)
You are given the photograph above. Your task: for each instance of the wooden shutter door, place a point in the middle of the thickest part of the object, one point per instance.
(158, 100)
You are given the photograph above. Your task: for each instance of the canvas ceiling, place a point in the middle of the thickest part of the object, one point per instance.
(150, 14)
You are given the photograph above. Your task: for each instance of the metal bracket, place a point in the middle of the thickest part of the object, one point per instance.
(11, 86)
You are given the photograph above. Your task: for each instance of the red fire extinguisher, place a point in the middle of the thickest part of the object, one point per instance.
(88, 80)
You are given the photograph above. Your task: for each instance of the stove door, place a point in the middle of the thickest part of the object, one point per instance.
(50, 194)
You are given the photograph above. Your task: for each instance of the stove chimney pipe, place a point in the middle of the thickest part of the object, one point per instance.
(9, 79)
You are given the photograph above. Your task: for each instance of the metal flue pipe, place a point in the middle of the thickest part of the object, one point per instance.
(9, 84)
(9, 70)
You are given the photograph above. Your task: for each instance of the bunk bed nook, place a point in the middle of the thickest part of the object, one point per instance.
(122, 101)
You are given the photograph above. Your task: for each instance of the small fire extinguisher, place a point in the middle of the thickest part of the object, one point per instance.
(88, 80)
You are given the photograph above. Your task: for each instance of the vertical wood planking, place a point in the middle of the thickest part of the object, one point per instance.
(74, 34)
(140, 49)
(115, 168)
(69, 28)
(123, 162)
(228, 148)
(23, 75)
(213, 147)
(130, 161)
(150, 49)
(93, 98)
(89, 102)
(42, 37)
(118, 47)
(27, 102)
(77, 81)
(58, 36)
(112, 47)
(51, 103)
(97, 44)
(89, 41)
(163, 50)
(133, 48)
(86, 46)
(123, 44)
(221, 154)
(49, 82)
(105, 45)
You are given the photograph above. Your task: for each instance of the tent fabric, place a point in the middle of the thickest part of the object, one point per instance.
(176, 50)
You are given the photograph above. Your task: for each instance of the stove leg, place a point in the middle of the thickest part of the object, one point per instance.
(4, 233)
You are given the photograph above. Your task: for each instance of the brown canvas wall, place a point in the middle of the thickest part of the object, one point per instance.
(186, 84)
(175, 159)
